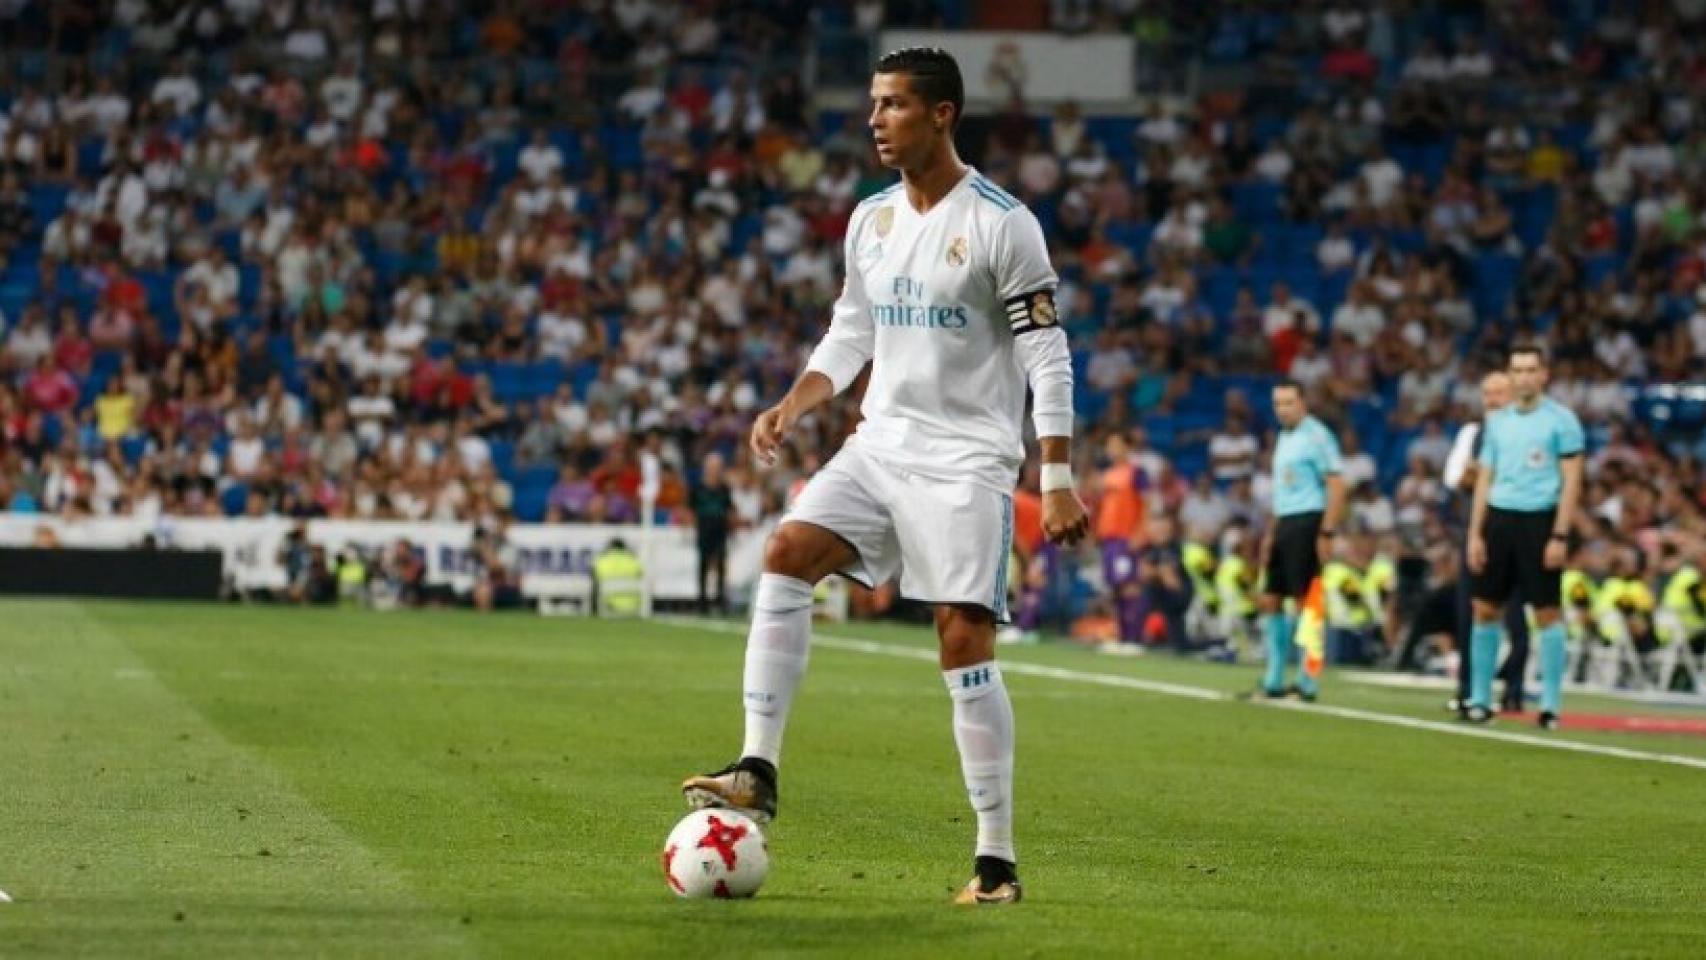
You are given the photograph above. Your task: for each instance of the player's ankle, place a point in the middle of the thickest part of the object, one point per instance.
(992, 872)
(759, 767)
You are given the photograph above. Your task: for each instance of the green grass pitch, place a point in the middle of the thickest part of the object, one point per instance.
(185, 781)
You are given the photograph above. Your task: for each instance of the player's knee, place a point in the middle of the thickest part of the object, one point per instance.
(1268, 603)
(1546, 616)
(1486, 612)
(784, 553)
(802, 553)
(967, 635)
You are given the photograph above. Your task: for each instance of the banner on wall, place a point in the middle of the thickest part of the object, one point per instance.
(251, 547)
(1047, 68)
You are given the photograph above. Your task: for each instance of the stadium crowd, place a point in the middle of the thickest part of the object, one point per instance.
(396, 260)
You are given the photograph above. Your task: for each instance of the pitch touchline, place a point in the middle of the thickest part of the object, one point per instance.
(1204, 693)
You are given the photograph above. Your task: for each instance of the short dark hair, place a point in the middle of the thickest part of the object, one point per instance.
(1528, 348)
(1287, 383)
(934, 72)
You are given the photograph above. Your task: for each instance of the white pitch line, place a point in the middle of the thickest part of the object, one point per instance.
(1204, 693)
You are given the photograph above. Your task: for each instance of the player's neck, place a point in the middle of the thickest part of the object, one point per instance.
(1528, 405)
(930, 181)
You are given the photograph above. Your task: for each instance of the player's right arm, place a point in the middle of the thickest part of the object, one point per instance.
(1460, 471)
(834, 364)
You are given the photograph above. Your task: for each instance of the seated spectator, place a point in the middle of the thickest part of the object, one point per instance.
(1360, 317)
(115, 411)
(50, 390)
(28, 342)
(72, 351)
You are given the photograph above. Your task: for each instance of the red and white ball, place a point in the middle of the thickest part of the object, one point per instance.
(715, 853)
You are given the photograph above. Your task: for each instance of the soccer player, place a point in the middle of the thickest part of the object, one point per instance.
(949, 295)
(1309, 501)
(1525, 503)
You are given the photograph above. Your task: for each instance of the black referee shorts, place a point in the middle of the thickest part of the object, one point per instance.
(1516, 559)
(1292, 560)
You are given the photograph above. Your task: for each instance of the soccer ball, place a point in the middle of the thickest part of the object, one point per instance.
(715, 853)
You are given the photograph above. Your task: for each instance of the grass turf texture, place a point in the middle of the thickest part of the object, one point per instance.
(224, 781)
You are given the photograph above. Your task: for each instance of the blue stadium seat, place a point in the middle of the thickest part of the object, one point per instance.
(133, 447)
(1596, 267)
(507, 384)
(47, 200)
(543, 377)
(233, 499)
(1257, 202)
(529, 503)
(1496, 277)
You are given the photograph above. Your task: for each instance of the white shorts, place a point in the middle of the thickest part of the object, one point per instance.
(948, 541)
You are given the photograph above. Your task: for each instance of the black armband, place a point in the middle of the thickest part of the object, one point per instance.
(1032, 311)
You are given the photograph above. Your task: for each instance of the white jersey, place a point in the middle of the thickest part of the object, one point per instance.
(938, 302)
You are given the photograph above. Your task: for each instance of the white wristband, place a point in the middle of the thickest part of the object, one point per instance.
(1057, 476)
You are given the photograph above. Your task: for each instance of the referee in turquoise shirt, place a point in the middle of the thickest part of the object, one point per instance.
(1309, 499)
(1525, 504)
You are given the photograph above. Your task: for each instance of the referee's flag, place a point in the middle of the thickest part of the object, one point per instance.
(1312, 629)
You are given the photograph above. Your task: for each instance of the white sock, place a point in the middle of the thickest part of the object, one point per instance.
(776, 650)
(983, 728)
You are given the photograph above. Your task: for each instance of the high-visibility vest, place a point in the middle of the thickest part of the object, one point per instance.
(1379, 582)
(1580, 600)
(1200, 566)
(1579, 591)
(1347, 604)
(1685, 598)
(1236, 588)
(613, 566)
(352, 576)
(1624, 594)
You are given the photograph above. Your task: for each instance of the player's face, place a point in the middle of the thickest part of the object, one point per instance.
(1288, 407)
(1495, 392)
(1528, 377)
(902, 124)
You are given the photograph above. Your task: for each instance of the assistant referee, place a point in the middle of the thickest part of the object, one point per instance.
(1461, 473)
(1309, 500)
(1525, 503)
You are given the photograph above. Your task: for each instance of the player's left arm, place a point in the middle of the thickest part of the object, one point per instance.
(1333, 476)
(1571, 445)
(1025, 282)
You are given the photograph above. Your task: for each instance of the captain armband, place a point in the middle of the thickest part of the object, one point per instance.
(1032, 311)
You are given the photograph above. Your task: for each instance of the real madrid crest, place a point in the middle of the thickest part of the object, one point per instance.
(885, 221)
(1042, 308)
(957, 252)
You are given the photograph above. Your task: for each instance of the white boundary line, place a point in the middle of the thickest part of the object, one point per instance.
(1204, 693)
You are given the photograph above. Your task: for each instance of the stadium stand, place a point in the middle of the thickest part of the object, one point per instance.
(394, 260)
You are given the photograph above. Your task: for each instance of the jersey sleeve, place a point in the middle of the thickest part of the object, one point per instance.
(851, 339)
(1489, 442)
(1570, 439)
(1327, 451)
(1024, 279)
(1462, 451)
(1025, 282)
(1043, 356)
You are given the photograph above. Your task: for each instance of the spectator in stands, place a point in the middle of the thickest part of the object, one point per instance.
(1233, 449)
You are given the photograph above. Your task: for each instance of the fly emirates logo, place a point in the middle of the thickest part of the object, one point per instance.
(904, 310)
